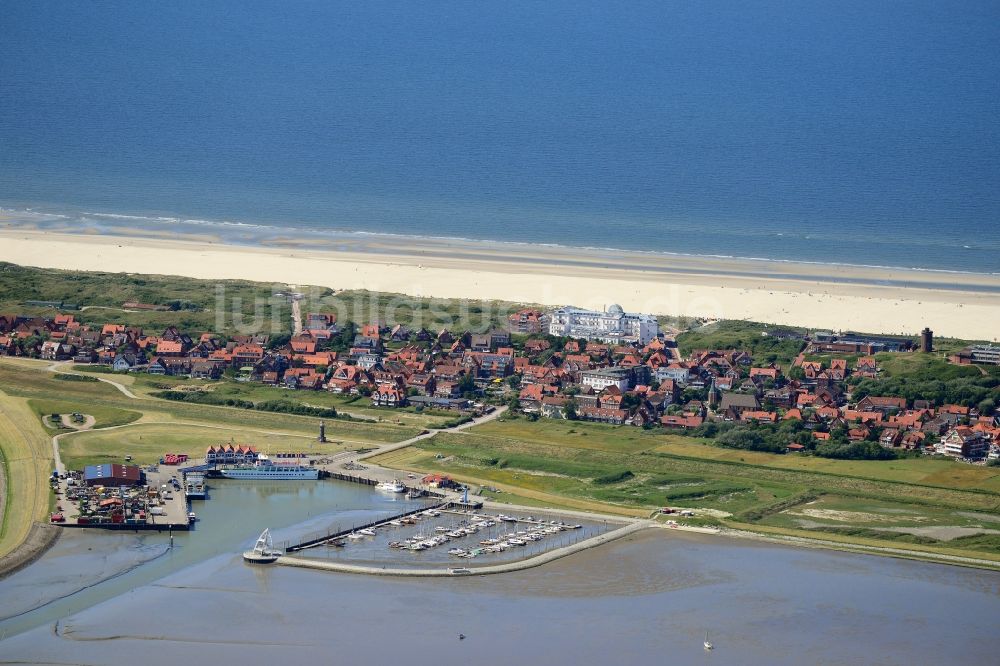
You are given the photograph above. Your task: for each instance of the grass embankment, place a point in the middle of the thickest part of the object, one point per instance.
(110, 406)
(146, 443)
(27, 463)
(632, 471)
(104, 416)
(355, 406)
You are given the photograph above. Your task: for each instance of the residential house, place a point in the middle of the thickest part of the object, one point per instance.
(387, 395)
(602, 378)
(963, 442)
(602, 415)
(882, 404)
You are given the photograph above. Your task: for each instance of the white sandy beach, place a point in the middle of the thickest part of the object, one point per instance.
(818, 296)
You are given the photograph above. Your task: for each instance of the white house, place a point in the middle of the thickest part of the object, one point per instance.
(676, 372)
(604, 377)
(613, 325)
(963, 442)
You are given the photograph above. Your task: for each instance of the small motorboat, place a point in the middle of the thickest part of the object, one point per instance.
(394, 486)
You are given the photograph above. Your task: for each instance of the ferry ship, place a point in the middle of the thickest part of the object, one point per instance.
(195, 486)
(264, 468)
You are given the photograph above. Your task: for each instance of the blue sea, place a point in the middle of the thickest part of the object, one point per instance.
(848, 132)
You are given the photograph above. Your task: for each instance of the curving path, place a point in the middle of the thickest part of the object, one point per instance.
(57, 368)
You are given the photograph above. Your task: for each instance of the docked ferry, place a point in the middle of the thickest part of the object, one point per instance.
(195, 486)
(265, 468)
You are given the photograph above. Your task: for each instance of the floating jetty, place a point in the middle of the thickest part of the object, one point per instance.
(314, 541)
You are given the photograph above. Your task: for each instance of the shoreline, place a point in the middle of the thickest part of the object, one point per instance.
(833, 297)
(40, 538)
(264, 234)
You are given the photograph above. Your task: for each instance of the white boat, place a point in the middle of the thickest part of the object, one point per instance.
(192, 516)
(355, 536)
(367, 531)
(708, 643)
(394, 486)
(264, 468)
(263, 551)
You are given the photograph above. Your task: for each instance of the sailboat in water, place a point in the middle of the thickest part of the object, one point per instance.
(708, 643)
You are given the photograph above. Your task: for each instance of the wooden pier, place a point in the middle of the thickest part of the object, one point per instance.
(333, 536)
(129, 527)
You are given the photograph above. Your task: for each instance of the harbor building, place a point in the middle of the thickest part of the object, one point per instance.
(612, 325)
(228, 454)
(112, 475)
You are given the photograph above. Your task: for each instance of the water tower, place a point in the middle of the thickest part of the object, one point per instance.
(927, 340)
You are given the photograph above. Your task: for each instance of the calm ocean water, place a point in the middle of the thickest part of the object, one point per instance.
(852, 132)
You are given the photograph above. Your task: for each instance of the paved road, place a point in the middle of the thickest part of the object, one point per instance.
(338, 461)
(296, 316)
(57, 367)
(479, 420)
(88, 422)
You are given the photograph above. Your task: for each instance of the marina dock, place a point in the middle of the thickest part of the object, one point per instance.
(519, 565)
(313, 541)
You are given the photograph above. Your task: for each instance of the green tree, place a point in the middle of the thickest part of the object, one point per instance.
(467, 384)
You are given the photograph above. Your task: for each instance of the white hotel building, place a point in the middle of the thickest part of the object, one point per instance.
(614, 325)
